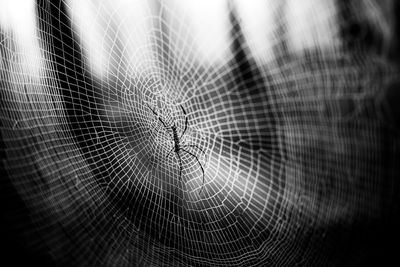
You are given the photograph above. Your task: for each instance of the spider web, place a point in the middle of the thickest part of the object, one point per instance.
(298, 142)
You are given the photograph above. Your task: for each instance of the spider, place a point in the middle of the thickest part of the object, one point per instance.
(178, 147)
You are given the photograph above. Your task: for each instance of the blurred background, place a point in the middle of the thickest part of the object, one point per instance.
(286, 119)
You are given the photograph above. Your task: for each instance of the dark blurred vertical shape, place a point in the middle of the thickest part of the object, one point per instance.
(248, 77)
(375, 240)
(395, 47)
(75, 86)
